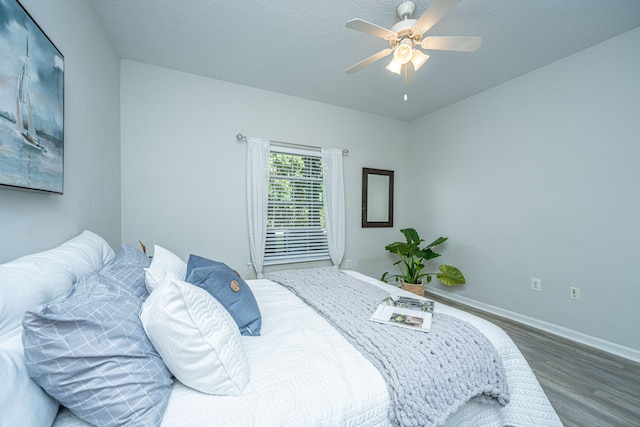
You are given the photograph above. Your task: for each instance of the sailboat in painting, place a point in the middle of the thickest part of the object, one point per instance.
(24, 109)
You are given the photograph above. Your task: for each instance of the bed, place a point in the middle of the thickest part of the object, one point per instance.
(299, 370)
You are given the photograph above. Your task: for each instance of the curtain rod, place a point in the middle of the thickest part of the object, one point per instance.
(241, 137)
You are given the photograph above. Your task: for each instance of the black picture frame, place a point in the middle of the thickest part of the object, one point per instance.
(381, 195)
(31, 104)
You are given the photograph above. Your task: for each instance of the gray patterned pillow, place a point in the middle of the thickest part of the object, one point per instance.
(90, 352)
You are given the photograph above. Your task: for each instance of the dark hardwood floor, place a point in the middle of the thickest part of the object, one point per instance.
(586, 386)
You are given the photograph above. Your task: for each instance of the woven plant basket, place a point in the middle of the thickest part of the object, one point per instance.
(416, 289)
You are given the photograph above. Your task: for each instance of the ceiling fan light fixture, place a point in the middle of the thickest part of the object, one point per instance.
(404, 51)
(394, 66)
(418, 59)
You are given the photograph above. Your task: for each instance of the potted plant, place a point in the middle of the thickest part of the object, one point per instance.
(412, 263)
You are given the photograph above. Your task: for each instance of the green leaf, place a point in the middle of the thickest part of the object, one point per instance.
(399, 248)
(450, 275)
(440, 240)
(427, 254)
(412, 236)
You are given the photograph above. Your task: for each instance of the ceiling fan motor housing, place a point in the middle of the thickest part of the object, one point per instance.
(405, 9)
(404, 27)
(403, 30)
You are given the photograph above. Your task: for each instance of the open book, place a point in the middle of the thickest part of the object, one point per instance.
(406, 312)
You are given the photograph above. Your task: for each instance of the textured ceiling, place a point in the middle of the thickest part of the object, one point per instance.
(303, 48)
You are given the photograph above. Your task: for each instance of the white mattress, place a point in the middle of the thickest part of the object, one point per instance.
(304, 373)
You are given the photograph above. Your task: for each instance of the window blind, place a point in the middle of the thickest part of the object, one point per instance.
(296, 229)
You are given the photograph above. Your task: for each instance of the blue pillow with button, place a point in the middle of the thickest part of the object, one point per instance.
(229, 289)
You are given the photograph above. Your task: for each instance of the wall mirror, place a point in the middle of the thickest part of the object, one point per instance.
(377, 198)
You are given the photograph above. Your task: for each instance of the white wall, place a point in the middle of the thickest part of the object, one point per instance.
(32, 222)
(539, 178)
(183, 172)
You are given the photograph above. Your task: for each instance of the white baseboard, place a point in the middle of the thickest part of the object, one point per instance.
(600, 344)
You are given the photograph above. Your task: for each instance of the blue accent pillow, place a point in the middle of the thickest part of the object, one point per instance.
(90, 352)
(229, 289)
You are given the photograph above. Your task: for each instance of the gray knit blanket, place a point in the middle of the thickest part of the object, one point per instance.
(429, 375)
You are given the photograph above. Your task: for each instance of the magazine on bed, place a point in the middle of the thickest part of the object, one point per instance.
(406, 312)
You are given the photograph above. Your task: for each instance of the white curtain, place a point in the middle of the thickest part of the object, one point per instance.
(334, 209)
(257, 198)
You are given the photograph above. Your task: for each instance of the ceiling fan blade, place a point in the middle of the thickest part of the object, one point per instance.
(457, 44)
(371, 29)
(370, 60)
(433, 14)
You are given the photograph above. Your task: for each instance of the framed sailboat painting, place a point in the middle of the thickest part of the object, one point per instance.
(31, 104)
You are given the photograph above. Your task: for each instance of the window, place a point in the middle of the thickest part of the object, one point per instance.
(296, 230)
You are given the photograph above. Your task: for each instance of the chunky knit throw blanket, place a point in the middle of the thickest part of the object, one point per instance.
(429, 375)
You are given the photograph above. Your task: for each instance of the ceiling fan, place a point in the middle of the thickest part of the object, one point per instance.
(407, 35)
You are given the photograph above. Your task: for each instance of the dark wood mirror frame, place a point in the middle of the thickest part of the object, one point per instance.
(367, 221)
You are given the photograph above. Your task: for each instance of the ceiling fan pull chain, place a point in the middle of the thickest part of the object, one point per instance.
(405, 78)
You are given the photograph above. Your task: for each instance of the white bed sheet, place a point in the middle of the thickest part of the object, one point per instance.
(304, 373)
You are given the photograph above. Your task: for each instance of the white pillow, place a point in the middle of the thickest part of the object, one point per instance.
(26, 283)
(22, 401)
(42, 277)
(165, 265)
(197, 338)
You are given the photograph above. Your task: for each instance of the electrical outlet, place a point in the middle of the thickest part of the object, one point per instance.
(574, 293)
(348, 263)
(536, 284)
